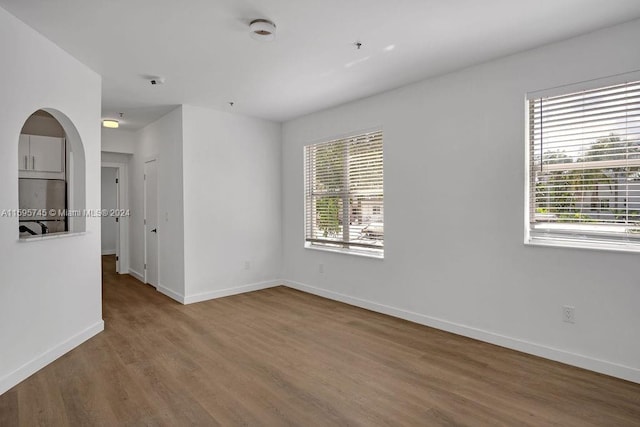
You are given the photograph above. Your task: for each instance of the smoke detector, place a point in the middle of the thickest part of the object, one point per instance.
(156, 81)
(262, 29)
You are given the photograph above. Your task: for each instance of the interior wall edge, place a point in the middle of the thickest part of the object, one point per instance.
(137, 275)
(170, 293)
(221, 293)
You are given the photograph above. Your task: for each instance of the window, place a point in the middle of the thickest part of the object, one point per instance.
(584, 168)
(344, 195)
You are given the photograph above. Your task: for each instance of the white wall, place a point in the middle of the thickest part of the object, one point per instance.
(454, 180)
(219, 202)
(109, 229)
(161, 140)
(118, 141)
(232, 202)
(48, 309)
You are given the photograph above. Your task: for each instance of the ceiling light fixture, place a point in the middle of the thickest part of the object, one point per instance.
(262, 29)
(111, 124)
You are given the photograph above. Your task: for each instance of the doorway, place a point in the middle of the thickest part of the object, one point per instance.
(110, 220)
(151, 222)
(115, 224)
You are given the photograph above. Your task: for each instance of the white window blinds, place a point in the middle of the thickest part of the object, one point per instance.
(584, 165)
(344, 199)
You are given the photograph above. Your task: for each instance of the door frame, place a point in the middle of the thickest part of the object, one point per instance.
(122, 247)
(144, 217)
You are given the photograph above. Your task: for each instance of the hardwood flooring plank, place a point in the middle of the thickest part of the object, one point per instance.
(9, 408)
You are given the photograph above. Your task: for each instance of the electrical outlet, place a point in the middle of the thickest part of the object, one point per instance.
(568, 314)
(247, 265)
(321, 268)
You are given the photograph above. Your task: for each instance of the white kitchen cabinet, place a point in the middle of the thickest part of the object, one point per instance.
(41, 156)
(23, 153)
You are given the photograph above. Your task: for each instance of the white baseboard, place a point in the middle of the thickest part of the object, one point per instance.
(190, 299)
(205, 296)
(108, 252)
(136, 275)
(34, 365)
(171, 294)
(602, 366)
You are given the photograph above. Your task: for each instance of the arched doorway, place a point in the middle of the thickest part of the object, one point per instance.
(51, 176)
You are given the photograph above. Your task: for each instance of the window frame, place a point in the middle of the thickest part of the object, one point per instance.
(362, 251)
(582, 238)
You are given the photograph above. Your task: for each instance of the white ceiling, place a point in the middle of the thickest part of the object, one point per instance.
(203, 47)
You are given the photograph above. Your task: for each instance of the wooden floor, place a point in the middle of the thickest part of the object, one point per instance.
(282, 357)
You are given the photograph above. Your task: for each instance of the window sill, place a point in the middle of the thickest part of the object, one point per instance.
(354, 252)
(608, 246)
(40, 237)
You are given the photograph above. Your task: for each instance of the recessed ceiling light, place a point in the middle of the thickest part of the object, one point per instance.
(111, 124)
(262, 29)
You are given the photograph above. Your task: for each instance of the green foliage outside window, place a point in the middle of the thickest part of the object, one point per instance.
(561, 193)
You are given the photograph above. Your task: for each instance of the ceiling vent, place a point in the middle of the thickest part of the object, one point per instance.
(262, 29)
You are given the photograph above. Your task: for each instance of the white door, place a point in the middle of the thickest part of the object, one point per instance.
(151, 222)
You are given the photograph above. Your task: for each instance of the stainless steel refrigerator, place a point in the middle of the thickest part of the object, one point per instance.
(44, 201)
